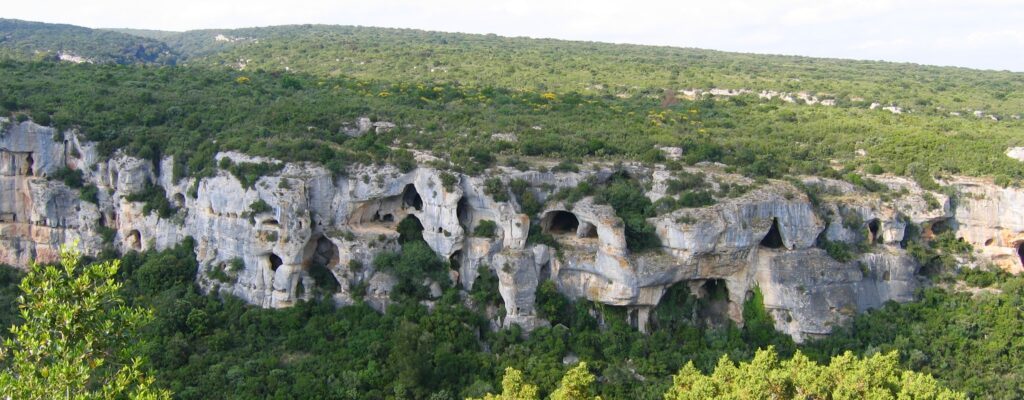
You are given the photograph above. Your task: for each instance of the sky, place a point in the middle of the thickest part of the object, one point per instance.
(985, 34)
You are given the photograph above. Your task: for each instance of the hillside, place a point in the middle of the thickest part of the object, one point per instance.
(363, 213)
(40, 41)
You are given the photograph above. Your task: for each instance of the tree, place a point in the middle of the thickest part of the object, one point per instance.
(846, 377)
(513, 388)
(74, 343)
(575, 384)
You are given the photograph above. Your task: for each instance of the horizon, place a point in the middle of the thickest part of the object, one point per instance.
(983, 35)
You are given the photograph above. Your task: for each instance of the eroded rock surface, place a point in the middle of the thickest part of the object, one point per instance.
(260, 242)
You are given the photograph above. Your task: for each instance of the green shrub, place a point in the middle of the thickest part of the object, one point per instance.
(71, 177)
(495, 188)
(448, 181)
(485, 228)
(89, 193)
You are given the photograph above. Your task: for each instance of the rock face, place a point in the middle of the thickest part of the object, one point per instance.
(260, 242)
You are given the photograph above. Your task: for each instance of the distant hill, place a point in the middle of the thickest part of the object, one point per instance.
(271, 90)
(411, 55)
(37, 40)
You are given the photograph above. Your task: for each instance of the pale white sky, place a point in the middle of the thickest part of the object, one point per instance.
(985, 34)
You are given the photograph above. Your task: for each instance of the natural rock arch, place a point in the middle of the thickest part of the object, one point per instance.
(134, 239)
(773, 239)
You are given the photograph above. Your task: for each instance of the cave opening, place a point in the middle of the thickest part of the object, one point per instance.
(545, 272)
(134, 239)
(773, 239)
(873, 227)
(462, 210)
(411, 198)
(455, 261)
(1020, 252)
(587, 230)
(179, 200)
(270, 223)
(410, 229)
(561, 222)
(325, 253)
(275, 261)
(990, 241)
(388, 218)
(29, 163)
(940, 226)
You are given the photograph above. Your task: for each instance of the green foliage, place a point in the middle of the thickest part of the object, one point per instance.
(10, 277)
(495, 188)
(155, 199)
(485, 228)
(259, 206)
(841, 251)
(71, 177)
(448, 181)
(249, 173)
(513, 388)
(107, 234)
(485, 288)
(983, 277)
(868, 184)
(551, 304)
(89, 193)
(962, 339)
(684, 181)
(164, 270)
(846, 377)
(410, 230)
(26, 39)
(76, 338)
(411, 266)
(529, 204)
(630, 204)
(576, 385)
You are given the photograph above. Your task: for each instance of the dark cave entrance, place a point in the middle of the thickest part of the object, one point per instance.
(270, 223)
(773, 239)
(29, 163)
(411, 198)
(545, 272)
(873, 231)
(275, 261)
(462, 211)
(455, 261)
(940, 226)
(179, 200)
(410, 229)
(561, 222)
(1020, 252)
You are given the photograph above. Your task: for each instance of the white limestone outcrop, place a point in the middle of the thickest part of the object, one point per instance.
(259, 242)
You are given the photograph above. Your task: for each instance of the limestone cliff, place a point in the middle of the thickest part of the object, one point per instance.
(259, 242)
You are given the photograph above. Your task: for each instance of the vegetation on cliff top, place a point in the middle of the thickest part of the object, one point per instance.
(303, 87)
